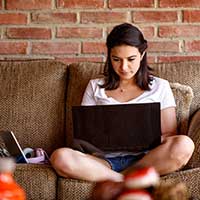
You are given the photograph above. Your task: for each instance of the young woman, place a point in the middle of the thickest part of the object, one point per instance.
(128, 80)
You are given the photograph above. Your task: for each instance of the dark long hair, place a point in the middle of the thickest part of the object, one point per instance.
(127, 34)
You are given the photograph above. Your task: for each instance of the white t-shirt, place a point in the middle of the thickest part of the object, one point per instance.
(160, 92)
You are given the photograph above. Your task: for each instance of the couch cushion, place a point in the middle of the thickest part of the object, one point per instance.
(81, 190)
(79, 76)
(81, 73)
(32, 102)
(185, 72)
(69, 189)
(38, 181)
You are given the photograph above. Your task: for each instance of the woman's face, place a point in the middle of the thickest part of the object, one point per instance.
(125, 60)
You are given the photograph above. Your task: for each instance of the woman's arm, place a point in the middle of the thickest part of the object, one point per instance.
(168, 122)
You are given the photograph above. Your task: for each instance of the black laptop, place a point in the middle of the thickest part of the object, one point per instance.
(124, 127)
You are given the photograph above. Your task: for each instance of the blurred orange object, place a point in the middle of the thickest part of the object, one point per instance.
(9, 189)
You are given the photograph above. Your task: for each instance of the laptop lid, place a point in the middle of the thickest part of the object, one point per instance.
(13, 147)
(132, 127)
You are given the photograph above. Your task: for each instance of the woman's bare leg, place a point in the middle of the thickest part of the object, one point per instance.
(171, 155)
(74, 164)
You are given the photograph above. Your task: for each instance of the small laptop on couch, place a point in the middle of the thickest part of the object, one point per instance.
(13, 147)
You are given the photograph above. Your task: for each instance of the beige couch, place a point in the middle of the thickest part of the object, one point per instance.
(35, 102)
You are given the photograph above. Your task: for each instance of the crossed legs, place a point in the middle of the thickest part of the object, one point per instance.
(171, 155)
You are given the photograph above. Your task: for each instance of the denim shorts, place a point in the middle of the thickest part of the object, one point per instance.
(120, 163)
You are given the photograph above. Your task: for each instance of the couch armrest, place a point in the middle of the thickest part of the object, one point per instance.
(194, 134)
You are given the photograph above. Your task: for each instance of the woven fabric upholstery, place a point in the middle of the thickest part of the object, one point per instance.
(79, 76)
(81, 190)
(190, 177)
(38, 181)
(185, 72)
(69, 189)
(32, 102)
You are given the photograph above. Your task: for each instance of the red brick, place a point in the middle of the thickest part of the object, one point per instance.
(73, 32)
(27, 4)
(13, 18)
(179, 3)
(155, 16)
(94, 47)
(167, 59)
(79, 59)
(13, 47)
(179, 31)
(192, 46)
(80, 4)
(29, 33)
(53, 18)
(131, 4)
(191, 16)
(148, 32)
(102, 17)
(150, 59)
(55, 48)
(166, 46)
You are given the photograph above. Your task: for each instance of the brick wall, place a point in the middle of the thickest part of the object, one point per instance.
(75, 30)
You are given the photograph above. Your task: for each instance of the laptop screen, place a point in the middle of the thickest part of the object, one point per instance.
(129, 127)
(12, 146)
